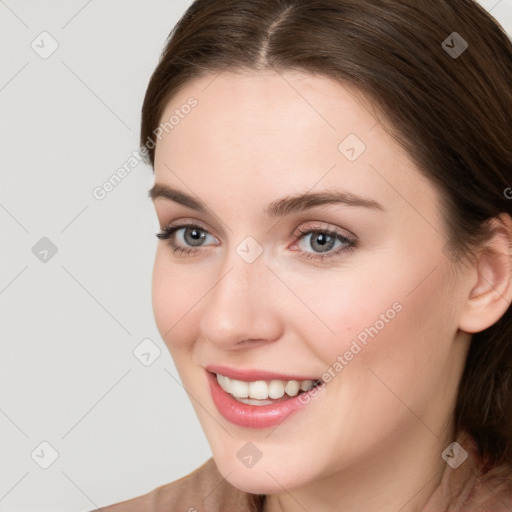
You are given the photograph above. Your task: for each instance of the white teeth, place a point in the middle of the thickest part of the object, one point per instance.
(276, 389)
(262, 390)
(221, 380)
(305, 385)
(258, 389)
(239, 388)
(292, 388)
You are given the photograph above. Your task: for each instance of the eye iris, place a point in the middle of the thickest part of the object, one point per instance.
(197, 236)
(325, 241)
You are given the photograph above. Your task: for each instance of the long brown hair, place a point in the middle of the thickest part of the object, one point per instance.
(450, 110)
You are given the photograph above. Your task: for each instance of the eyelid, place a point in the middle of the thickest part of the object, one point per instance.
(186, 222)
(296, 233)
(323, 227)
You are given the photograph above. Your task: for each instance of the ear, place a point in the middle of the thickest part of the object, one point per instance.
(491, 280)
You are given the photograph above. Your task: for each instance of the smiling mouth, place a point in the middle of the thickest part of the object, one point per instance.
(261, 392)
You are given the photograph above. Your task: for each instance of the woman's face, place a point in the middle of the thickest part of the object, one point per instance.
(376, 319)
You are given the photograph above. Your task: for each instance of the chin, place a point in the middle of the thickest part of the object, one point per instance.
(256, 483)
(268, 478)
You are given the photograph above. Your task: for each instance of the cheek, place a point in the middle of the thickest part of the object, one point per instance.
(345, 311)
(390, 353)
(379, 318)
(395, 335)
(175, 291)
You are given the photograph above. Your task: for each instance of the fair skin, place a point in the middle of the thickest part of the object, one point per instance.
(372, 438)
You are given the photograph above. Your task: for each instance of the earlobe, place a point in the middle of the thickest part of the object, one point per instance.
(491, 292)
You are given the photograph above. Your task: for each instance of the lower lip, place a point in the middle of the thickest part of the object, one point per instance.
(252, 416)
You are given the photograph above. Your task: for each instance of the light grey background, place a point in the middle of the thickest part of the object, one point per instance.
(70, 324)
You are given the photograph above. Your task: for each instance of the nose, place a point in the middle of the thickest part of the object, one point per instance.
(243, 305)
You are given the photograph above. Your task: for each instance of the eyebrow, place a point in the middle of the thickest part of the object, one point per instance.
(280, 207)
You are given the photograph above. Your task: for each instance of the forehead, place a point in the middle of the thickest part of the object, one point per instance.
(269, 101)
(284, 131)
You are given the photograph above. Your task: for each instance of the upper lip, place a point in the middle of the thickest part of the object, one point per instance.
(251, 375)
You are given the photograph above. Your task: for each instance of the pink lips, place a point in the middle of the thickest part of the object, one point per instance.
(252, 375)
(253, 416)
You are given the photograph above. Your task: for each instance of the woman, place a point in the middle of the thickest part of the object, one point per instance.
(333, 280)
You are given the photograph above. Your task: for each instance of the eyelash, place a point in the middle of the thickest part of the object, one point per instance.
(168, 234)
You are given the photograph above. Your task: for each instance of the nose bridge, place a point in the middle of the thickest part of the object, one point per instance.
(237, 308)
